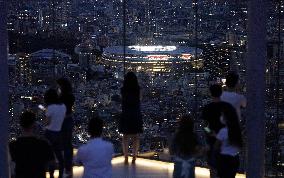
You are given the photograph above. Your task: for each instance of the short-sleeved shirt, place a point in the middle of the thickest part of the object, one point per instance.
(226, 147)
(31, 156)
(56, 113)
(235, 99)
(96, 158)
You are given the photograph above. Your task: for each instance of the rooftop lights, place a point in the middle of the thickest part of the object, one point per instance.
(153, 48)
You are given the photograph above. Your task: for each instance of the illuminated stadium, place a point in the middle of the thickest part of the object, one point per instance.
(150, 58)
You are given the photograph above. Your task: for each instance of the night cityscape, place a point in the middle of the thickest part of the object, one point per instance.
(176, 48)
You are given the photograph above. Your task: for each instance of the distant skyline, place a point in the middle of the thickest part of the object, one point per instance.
(172, 84)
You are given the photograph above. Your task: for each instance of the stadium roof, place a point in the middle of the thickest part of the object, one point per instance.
(145, 50)
(49, 54)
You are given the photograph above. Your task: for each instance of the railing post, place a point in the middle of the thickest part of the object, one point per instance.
(256, 59)
(4, 104)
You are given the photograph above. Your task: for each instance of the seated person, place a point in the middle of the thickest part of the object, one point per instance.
(96, 155)
(30, 154)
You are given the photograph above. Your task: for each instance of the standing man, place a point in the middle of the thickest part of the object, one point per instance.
(96, 155)
(30, 154)
(231, 96)
(211, 114)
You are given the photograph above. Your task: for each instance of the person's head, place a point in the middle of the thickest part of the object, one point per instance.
(130, 81)
(27, 120)
(232, 80)
(51, 97)
(95, 127)
(185, 137)
(229, 117)
(216, 90)
(64, 85)
(186, 124)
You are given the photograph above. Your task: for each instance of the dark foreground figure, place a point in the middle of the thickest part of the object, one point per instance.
(130, 123)
(185, 148)
(229, 141)
(30, 154)
(66, 96)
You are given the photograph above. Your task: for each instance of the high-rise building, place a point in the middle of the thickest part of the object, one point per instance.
(47, 65)
(24, 68)
(86, 53)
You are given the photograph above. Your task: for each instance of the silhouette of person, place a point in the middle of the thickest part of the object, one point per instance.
(130, 123)
(97, 154)
(231, 95)
(66, 96)
(55, 114)
(30, 153)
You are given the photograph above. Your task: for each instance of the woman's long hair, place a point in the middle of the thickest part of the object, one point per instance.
(184, 142)
(232, 122)
(130, 91)
(130, 82)
(65, 86)
(51, 97)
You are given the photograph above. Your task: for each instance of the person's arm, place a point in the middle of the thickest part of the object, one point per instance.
(203, 114)
(47, 117)
(69, 103)
(220, 137)
(217, 145)
(140, 95)
(12, 166)
(79, 157)
(112, 150)
(201, 148)
(46, 120)
(12, 158)
(243, 101)
(172, 147)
